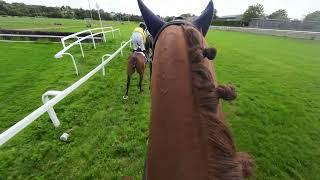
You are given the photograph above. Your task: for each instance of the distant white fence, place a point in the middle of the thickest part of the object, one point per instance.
(58, 96)
(80, 39)
(274, 32)
(92, 34)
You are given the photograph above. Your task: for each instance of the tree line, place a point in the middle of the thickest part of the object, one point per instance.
(21, 9)
(257, 11)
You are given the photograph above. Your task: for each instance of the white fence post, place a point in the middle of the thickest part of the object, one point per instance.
(112, 32)
(80, 46)
(104, 36)
(51, 112)
(123, 42)
(74, 62)
(63, 44)
(102, 60)
(94, 43)
(60, 55)
(81, 49)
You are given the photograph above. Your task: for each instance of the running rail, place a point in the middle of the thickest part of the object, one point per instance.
(75, 35)
(48, 106)
(311, 35)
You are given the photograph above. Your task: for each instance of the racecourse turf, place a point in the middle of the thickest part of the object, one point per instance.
(276, 117)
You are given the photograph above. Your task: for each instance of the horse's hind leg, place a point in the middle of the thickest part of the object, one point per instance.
(145, 169)
(140, 83)
(128, 85)
(150, 74)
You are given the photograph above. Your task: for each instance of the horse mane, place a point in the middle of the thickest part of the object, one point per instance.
(223, 162)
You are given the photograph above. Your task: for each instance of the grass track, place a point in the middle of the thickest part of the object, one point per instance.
(275, 118)
(48, 24)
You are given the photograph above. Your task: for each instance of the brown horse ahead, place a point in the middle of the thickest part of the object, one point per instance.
(136, 62)
(189, 138)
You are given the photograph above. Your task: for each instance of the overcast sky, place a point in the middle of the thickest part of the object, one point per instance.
(295, 8)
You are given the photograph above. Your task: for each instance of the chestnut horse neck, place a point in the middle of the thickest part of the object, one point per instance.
(188, 137)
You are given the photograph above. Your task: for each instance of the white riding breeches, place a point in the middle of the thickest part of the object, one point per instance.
(137, 41)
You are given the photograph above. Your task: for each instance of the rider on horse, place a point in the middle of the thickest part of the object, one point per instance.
(139, 37)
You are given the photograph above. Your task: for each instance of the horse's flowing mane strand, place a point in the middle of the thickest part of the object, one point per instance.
(223, 162)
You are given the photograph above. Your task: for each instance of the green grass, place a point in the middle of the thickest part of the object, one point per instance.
(275, 118)
(47, 24)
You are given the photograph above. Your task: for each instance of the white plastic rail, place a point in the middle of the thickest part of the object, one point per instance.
(82, 39)
(75, 35)
(48, 106)
(102, 60)
(65, 49)
(274, 32)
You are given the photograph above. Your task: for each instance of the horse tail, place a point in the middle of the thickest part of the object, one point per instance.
(134, 61)
(246, 164)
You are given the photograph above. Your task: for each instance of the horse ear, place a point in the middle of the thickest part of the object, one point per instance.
(203, 22)
(153, 22)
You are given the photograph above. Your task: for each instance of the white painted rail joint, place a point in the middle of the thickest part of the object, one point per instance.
(102, 60)
(51, 112)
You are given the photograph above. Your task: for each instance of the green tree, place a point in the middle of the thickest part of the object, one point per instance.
(315, 16)
(67, 12)
(169, 18)
(3, 8)
(20, 9)
(279, 14)
(254, 11)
